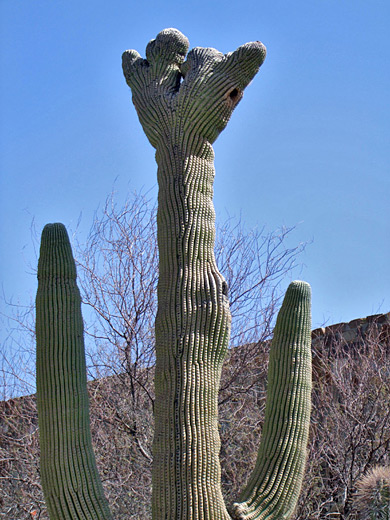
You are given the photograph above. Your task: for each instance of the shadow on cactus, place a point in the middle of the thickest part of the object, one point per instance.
(183, 103)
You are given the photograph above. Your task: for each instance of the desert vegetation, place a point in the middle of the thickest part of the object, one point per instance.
(188, 103)
(350, 430)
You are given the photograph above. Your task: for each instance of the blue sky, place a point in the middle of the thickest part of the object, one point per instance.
(307, 146)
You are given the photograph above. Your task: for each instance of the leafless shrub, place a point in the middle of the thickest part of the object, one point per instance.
(17, 354)
(21, 494)
(350, 420)
(117, 275)
(118, 271)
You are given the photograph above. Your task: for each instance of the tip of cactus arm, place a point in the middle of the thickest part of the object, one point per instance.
(54, 225)
(299, 283)
(299, 286)
(174, 36)
(55, 231)
(55, 256)
(258, 47)
(298, 295)
(258, 52)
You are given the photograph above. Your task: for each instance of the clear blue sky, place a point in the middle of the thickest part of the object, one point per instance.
(308, 145)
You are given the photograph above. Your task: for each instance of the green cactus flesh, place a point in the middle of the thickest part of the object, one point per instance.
(183, 105)
(69, 476)
(273, 488)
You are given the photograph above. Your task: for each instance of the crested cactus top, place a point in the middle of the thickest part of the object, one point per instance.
(196, 95)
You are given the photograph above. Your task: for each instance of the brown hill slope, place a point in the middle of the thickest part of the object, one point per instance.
(350, 428)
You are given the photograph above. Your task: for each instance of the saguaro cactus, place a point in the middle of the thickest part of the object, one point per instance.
(183, 105)
(69, 477)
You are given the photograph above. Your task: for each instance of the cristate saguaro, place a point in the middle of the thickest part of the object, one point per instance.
(183, 104)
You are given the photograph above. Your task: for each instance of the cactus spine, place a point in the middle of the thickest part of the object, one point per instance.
(69, 476)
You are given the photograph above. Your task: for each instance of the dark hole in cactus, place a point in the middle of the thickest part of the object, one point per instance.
(234, 94)
(225, 289)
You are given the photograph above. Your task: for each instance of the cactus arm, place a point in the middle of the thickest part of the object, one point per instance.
(183, 106)
(273, 488)
(69, 476)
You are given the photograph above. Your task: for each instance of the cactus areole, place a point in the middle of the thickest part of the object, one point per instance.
(183, 102)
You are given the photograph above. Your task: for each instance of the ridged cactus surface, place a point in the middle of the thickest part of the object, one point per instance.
(273, 488)
(69, 476)
(183, 103)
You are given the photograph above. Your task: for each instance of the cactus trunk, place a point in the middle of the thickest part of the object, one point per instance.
(69, 476)
(192, 333)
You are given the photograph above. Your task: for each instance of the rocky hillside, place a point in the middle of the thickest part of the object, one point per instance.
(350, 428)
